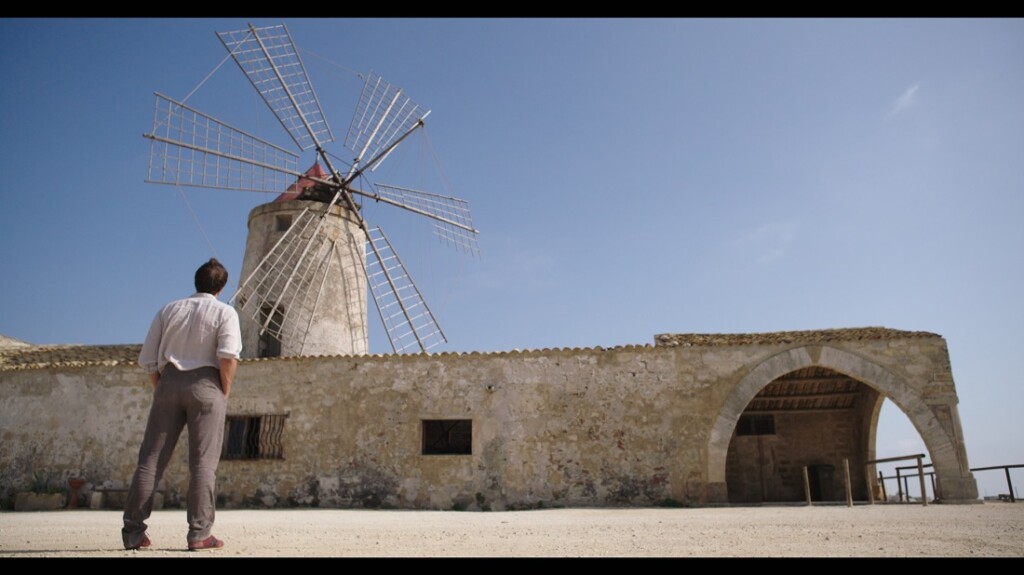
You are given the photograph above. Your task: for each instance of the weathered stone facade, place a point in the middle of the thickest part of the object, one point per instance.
(625, 426)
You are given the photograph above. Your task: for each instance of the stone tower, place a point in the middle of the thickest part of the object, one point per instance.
(339, 325)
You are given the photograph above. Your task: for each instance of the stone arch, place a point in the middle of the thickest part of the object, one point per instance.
(944, 452)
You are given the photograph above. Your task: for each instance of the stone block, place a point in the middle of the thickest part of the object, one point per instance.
(29, 501)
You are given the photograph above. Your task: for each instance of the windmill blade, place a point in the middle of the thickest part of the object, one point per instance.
(382, 115)
(453, 224)
(268, 57)
(407, 319)
(190, 148)
(282, 293)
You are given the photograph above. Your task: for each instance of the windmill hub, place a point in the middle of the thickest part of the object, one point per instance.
(318, 193)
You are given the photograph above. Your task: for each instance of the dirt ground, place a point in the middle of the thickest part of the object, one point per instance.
(990, 529)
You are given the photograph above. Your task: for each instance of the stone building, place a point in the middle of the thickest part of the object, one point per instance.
(688, 420)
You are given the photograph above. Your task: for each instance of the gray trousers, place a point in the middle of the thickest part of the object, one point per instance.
(182, 398)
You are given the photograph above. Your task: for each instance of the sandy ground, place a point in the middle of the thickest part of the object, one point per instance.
(984, 530)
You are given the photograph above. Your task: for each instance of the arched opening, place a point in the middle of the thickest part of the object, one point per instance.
(934, 416)
(813, 417)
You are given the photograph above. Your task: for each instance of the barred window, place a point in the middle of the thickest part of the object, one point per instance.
(756, 425)
(447, 437)
(253, 437)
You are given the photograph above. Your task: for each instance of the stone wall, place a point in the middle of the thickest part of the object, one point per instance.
(627, 426)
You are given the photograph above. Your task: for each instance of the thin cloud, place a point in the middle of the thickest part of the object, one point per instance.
(769, 242)
(524, 267)
(907, 100)
(900, 446)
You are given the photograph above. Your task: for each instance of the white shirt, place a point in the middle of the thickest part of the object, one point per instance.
(191, 333)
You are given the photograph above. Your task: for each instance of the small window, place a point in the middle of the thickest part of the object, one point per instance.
(283, 221)
(756, 425)
(447, 437)
(253, 437)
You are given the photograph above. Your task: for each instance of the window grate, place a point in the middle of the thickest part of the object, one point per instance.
(756, 425)
(253, 437)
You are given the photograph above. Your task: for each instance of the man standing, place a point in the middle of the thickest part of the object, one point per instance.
(191, 353)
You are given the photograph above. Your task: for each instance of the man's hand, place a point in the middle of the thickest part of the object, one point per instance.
(155, 378)
(227, 374)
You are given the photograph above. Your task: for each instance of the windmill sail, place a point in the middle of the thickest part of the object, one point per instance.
(407, 319)
(270, 61)
(382, 115)
(190, 148)
(452, 222)
(288, 280)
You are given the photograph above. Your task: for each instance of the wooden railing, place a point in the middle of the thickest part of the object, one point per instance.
(1005, 468)
(920, 473)
(903, 493)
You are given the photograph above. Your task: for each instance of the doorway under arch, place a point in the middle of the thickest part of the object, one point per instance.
(927, 398)
(812, 417)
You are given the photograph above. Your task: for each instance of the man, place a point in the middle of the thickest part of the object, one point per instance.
(191, 354)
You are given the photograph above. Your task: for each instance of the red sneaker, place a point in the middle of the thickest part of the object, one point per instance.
(210, 542)
(144, 544)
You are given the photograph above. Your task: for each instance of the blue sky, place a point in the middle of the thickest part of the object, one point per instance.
(629, 177)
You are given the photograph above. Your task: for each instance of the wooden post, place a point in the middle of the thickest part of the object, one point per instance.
(849, 488)
(807, 486)
(920, 474)
(881, 481)
(1009, 484)
(900, 487)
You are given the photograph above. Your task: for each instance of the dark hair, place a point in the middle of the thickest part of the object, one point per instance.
(211, 277)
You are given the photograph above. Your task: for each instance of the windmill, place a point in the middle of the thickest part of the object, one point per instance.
(323, 243)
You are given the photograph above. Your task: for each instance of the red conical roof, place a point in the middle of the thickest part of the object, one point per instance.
(295, 189)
